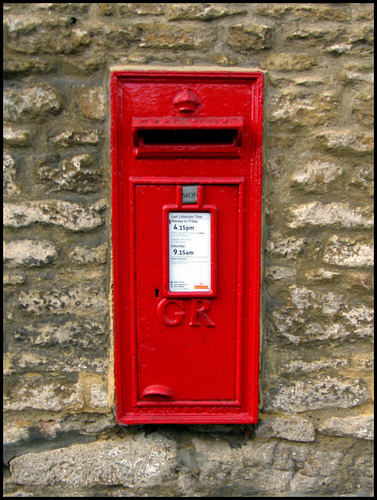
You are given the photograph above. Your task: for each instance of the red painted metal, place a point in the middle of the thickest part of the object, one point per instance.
(186, 357)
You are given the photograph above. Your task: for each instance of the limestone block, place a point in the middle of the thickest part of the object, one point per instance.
(52, 362)
(9, 175)
(304, 11)
(315, 394)
(249, 466)
(292, 429)
(299, 367)
(165, 36)
(201, 12)
(297, 107)
(71, 216)
(316, 35)
(310, 315)
(141, 9)
(99, 396)
(15, 136)
(31, 103)
(211, 451)
(361, 427)
(349, 252)
(14, 65)
(85, 255)
(51, 394)
(361, 319)
(288, 247)
(346, 140)
(33, 35)
(363, 179)
(355, 72)
(321, 274)
(277, 273)
(14, 279)
(92, 102)
(70, 137)
(22, 436)
(363, 109)
(67, 8)
(274, 10)
(80, 299)
(139, 461)
(78, 173)
(316, 176)
(289, 62)
(325, 471)
(112, 38)
(28, 252)
(249, 38)
(84, 334)
(341, 214)
(321, 12)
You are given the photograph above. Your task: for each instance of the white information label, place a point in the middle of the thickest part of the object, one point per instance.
(189, 251)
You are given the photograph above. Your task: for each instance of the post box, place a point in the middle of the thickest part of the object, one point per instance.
(186, 152)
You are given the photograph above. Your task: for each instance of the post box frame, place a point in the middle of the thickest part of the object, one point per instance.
(125, 348)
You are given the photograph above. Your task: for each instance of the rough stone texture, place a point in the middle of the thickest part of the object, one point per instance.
(14, 136)
(69, 138)
(286, 247)
(300, 108)
(92, 103)
(293, 429)
(51, 395)
(33, 103)
(159, 36)
(83, 255)
(349, 252)
(68, 215)
(331, 317)
(361, 427)
(28, 253)
(203, 12)
(13, 279)
(289, 62)
(141, 462)
(316, 176)
(316, 213)
(315, 395)
(249, 38)
(347, 141)
(30, 35)
(78, 173)
(76, 299)
(9, 176)
(315, 430)
(83, 334)
(364, 179)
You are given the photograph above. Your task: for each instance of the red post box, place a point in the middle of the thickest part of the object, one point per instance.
(186, 198)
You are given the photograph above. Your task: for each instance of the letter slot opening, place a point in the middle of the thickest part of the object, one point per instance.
(203, 136)
(187, 137)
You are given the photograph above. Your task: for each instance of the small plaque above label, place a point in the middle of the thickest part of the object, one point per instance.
(189, 195)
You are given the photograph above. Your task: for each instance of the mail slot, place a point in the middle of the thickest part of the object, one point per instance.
(186, 151)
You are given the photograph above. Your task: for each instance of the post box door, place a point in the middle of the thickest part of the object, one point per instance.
(188, 345)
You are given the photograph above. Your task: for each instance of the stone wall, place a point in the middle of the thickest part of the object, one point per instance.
(315, 432)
